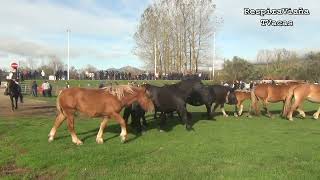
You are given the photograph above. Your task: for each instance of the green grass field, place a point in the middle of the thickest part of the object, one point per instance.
(228, 148)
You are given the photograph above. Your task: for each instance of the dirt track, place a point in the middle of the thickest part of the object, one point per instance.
(30, 107)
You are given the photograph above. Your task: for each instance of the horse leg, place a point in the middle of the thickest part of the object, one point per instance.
(301, 112)
(316, 114)
(59, 119)
(155, 114)
(223, 111)
(103, 125)
(241, 109)
(162, 121)
(138, 125)
(16, 102)
(144, 121)
(184, 115)
(294, 106)
(208, 106)
(265, 107)
(126, 113)
(124, 133)
(214, 108)
(21, 98)
(236, 107)
(70, 122)
(12, 103)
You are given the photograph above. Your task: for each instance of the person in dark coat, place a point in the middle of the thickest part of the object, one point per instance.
(34, 89)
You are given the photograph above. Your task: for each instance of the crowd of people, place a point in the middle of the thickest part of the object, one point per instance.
(45, 89)
(120, 75)
(105, 75)
(239, 85)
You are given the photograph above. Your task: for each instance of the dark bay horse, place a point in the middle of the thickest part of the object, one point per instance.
(210, 94)
(173, 97)
(270, 93)
(310, 92)
(137, 114)
(14, 91)
(106, 103)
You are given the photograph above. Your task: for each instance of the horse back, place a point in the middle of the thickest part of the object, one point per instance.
(308, 91)
(242, 95)
(93, 102)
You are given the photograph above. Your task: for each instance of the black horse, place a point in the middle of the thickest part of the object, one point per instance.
(210, 94)
(14, 91)
(137, 114)
(173, 97)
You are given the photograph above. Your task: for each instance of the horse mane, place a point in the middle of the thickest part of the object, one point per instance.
(119, 90)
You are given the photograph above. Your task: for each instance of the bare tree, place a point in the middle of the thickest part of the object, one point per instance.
(174, 34)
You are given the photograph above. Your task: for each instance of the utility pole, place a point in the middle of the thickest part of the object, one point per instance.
(155, 58)
(214, 53)
(68, 32)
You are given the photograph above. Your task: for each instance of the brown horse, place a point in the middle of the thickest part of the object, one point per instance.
(106, 103)
(310, 92)
(241, 97)
(270, 93)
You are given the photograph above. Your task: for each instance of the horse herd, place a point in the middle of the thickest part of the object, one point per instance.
(108, 102)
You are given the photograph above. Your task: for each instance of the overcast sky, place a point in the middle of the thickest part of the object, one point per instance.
(102, 31)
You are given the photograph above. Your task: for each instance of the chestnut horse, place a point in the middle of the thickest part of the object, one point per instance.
(241, 97)
(106, 103)
(270, 93)
(310, 92)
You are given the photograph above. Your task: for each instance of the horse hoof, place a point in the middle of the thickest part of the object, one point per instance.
(226, 115)
(290, 119)
(50, 139)
(161, 130)
(123, 140)
(99, 141)
(78, 142)
(235, 115)
(315, 117)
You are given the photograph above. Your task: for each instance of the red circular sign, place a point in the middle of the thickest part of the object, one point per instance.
(14, 65)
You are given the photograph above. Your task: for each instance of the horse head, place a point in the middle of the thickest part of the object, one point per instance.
(231, 97)
(144, 98)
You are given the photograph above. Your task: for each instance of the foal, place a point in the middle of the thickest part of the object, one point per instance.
(106, 103)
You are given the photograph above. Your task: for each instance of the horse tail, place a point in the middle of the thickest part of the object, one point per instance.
(254, 101)
(288, 99)
(59, 109)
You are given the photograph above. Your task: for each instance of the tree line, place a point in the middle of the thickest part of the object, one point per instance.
(273, 64)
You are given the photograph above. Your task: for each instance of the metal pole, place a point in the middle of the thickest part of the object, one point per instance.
(214, 53)
(155, 58)
(68, 32)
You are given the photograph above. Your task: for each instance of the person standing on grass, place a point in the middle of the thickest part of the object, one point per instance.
(50, 89)
(45, 88)
(43, 74)
(34, 89)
